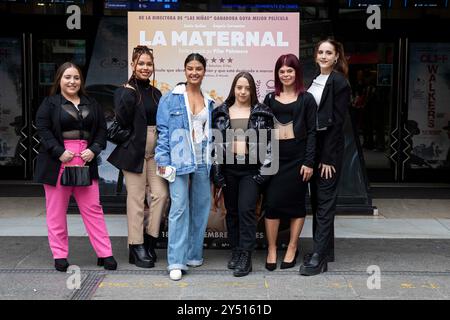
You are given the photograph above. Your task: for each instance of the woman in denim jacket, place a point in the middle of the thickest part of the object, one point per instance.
(183, 122)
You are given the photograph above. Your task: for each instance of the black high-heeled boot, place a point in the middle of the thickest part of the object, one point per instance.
(150, 245)
(61, 264)
(317, 264)
(139, 256)
(109, 263)
(329, 257)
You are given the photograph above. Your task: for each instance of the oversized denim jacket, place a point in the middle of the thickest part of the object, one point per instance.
(175, 145)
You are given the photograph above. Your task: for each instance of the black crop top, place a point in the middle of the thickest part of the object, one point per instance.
(283, 112)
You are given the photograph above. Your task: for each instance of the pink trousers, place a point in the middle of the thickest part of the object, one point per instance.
(88, 201)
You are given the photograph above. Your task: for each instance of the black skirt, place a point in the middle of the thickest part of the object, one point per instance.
(285, 194)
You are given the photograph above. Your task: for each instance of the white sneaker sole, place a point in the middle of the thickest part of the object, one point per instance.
(175, 275)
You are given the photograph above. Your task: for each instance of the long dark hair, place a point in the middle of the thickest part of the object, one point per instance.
(341, 65)
(56, 88)
(138, 51)
(229, 101)
(291, 61)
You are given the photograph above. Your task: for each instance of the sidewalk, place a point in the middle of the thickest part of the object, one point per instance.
(396, 219)
(409, 241)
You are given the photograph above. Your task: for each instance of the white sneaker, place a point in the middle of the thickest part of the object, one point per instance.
(175, 274)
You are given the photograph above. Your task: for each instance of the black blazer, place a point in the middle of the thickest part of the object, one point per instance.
(304, 123)
(52, 143)
(130, 113)
(331, 114)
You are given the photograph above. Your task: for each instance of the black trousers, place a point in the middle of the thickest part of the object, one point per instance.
(324, 194)
(241, 194)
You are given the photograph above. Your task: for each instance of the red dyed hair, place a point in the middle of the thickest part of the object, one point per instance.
(291, 61)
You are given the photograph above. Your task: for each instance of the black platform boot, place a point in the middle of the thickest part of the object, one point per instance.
(329, 257)
(317, 264)
(139, 256)
(244, 265)
(150, 245)
(235, 253)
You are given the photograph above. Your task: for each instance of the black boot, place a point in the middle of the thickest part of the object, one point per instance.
(109, 263)
(61, 265)
(150, 245)
(139, 256)
(244, 265)
(235, 253)
(317, 264)
(329, 257)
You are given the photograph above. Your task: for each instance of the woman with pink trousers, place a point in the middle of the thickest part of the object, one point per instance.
(72, 131)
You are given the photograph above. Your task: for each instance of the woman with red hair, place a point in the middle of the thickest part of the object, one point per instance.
(295, 114)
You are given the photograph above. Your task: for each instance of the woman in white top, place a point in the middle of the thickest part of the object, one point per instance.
(184, 134)
(331, 90)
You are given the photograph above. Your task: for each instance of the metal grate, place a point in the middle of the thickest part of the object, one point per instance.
(88, 286)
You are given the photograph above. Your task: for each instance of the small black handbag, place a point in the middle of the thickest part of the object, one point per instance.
(116, 134)
(76, 176)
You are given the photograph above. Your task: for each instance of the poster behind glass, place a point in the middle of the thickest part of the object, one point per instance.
(428, 121)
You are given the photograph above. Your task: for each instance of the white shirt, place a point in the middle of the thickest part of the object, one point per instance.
(181, 89)
(198, 124)
(316, 88)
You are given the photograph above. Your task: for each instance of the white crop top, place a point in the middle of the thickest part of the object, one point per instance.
(198, 125)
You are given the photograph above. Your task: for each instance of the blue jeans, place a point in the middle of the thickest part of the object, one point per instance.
(190, 196)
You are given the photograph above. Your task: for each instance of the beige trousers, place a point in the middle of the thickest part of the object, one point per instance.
(137, 184)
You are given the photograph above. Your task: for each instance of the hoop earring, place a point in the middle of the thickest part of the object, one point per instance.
(335, 61)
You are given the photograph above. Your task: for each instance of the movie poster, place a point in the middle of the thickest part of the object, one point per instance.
(428, 109)
(231, 43)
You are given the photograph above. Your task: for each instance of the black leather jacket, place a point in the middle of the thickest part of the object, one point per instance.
(261, 117)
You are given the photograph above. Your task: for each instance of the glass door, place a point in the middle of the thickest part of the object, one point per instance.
(13, 115)
(372, 68)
